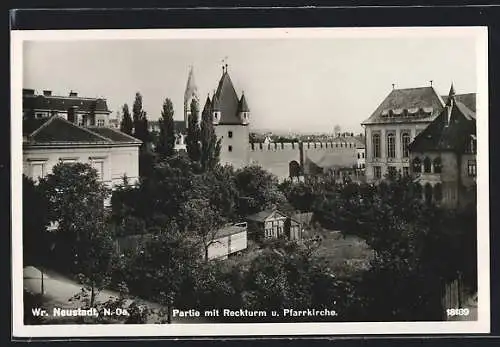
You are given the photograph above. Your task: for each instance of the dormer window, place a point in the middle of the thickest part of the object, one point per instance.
(216, 116)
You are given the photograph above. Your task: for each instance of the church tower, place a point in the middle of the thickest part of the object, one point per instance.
(190, 94)
(231, 119)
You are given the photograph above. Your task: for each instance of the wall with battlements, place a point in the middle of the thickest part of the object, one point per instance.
(276, 157)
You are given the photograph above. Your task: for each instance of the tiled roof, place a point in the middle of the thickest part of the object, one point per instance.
(57, 130)
(468, 100)
(406, 105)
(331, 160)
(63, 103)
(263, 215)
(231, 230)
(226, 100)
(114, 135)
(179, 126)
(440, 136)
(243, 107)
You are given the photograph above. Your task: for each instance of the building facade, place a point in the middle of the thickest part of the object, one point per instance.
(401, 116)
(49, 141)
(443, 156)
(82, 111)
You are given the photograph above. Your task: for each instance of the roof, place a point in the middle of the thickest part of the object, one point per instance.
(439, 135)
(226, 100)
(468, 100)
(243, 106)
(330, 160)
(114, 135)
(408, 105)
(63, 103)
(191, 88)
(304, 217)
(57, 130)
(179, 126)
(231, 230)
(264, 215)
(208, 106)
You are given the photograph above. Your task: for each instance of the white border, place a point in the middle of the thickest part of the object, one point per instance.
(482, 325)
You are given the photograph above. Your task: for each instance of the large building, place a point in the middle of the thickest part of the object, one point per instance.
(73, 129)
(443, 156)
(80, 110)
(401, 116)
(396, 122)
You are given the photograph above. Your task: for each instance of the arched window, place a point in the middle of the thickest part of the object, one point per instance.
(391, 145)
(428, 193)
(405, 141)
(417, 165)
(376, 145)
(438, 192)
(437, 165)
(359, 156)
(427, 165)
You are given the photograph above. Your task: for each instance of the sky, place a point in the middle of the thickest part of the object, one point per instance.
(291, 84)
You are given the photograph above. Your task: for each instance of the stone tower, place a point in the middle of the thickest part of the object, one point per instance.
(231, 118)
(190, 94)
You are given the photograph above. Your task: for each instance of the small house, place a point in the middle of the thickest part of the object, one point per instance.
(228, 240)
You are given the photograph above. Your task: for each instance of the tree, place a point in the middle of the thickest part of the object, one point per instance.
(76, 204)
(35, 235)
(163, 267)
(193, 133)
(258, 190)
(166, 140)
(126, 124)
(210, 145)
(83, 244)
(137, 108)
(204, 220)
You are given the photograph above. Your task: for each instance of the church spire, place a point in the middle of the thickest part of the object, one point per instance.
(190, 94)
(191, 88)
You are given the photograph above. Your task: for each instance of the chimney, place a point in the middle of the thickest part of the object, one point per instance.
(28, 92)
(47, 92)
(73, 94)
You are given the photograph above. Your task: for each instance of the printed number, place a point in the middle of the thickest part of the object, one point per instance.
(457, 312)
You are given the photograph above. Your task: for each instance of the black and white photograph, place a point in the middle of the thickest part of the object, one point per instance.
(226, 182)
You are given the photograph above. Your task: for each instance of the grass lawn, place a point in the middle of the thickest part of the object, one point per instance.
(343, 254)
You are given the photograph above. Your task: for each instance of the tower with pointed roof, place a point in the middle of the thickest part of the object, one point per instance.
(190, 93)
(231, 119)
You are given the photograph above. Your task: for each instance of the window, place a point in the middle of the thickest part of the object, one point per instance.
(98, 165)
(438, 192)
(100, 122)
(437, 165)
(37, 169)
(39, 115)
(230, 134)
(363, 155)
(417, 165)
(391, 145)
(472, 145)
(230, 148)
(427, 165)
(391, 171)
(377, 172)
(376, 145)
(359, 155)
(471, 168)
(405, 140)
(406, 171)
